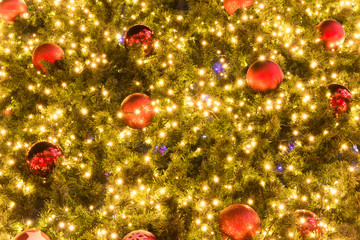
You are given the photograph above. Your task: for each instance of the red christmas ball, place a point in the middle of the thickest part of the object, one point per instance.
(32, 234)
(308, 222)
(137, 111)
(10, 9)
(47, 52)
(8, 111)
(232, 5)
(332, 34)
(140, 235)
(264, 76)
(140, 34)
(239, 222)
(340, 100)
(42, 158)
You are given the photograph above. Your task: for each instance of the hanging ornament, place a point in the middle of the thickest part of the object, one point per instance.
(49, 52)
(264, 76)
(308, 222)
(340, 99)
(332, 34)
(137, 111)
(8, 111)
(140, 34)
(10, 9)
(140, 235)
(292, 144)
(219, 68)
(162, 149)
(42, 158)
(356, 148)
(121, 39)
(232, 5)
(32, 234)
(239, 222)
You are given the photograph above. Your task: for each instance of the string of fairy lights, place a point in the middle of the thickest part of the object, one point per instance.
(291, 38)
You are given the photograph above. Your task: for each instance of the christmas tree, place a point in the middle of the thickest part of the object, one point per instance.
(179, 119)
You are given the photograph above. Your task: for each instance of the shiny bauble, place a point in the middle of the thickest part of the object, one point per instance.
(137, 111)
(140, 34)
(49, 52)
(8, 111)
(332, 34)
(308, 222)
(43, 157)
(239, 222)
(10, 9)
(264, 76)
(232, 5)
(340, 100)
(32, 234)
(140, 235)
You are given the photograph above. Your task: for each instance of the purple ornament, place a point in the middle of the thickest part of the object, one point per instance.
(162, 149)
(218, 68)
(292, 144)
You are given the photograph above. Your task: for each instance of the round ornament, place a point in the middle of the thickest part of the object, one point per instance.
(264, 76)
(42, 158)
(340, 99)
(32, 234)
(137, 111)
(232, 5)
(332, 34)
(140, 235)
(8, 111)
(49, 52)
(308, 222)
(239, 222)
(219, 68)
(10, 9)
(140, 34)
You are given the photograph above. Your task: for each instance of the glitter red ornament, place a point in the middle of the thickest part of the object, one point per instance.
(232, 5)
(137, 111)
(264, 76)
(42, 158)
(332, 34)
(47, 52)
(32, 234)
(340, 99)
(140, 235)
(239, 222)
(308, 222)
(8, 111)
(10, 9)
(140, 34)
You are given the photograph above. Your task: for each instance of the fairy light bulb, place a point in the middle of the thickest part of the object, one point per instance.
(84, 111)
(267, 167)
